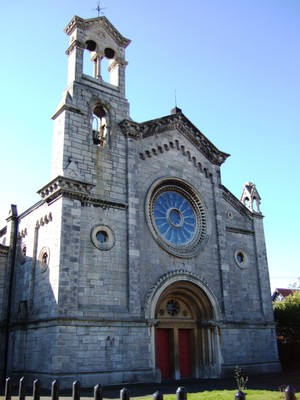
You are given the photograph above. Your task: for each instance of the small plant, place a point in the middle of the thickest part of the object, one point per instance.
(240, 380)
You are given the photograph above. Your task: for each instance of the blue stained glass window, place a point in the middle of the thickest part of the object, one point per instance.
(174, 218)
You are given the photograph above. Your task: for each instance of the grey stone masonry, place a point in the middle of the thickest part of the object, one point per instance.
(137, 264)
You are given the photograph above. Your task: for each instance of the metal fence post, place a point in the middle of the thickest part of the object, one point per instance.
(181, 393)
(158, 396)
(76, 390)
(22, 389)
(240, 395)
(8, 389)
(36, 390)
(55, 390)
(290, 393)
(98, 393)
(124, 394)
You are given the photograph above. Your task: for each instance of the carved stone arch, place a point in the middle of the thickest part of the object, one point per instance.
(186, 318)
(91, 44)
(102, 134)
(170, 278)
(107, 106)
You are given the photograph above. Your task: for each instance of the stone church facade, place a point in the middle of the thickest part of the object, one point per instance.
(137, 264)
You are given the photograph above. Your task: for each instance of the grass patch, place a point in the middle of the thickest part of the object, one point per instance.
(226, 395)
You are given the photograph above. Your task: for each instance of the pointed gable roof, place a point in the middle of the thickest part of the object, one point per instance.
(177, 120)
(251, 198)
(97, 22)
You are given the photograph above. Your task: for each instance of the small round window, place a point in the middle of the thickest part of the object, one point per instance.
(173, 308)
(241, 258)
(102, 237)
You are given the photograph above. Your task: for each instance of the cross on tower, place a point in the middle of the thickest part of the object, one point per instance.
(99, 9)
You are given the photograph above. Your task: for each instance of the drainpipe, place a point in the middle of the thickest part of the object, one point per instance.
(13, 238)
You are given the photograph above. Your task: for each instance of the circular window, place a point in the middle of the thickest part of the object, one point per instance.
(241, 258)
(173, 308)
(177, 217)
(102, 237)
(230, 215)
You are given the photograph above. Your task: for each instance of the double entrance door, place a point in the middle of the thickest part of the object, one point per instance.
(173, 352)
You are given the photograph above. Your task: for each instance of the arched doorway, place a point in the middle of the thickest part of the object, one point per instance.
(186, 337)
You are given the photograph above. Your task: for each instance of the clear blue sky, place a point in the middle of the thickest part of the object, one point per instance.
(235, 66)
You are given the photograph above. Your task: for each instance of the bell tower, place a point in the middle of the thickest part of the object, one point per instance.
(92, 105)
(87, 194)
(99, 37)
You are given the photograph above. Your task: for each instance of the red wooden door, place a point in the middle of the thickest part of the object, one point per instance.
(163, 352)
(184, 343)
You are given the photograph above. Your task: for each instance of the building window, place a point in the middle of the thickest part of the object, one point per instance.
(173, 308)
(100, 126)
(102, 237)
(241, 258)
(177, 217)
(44, 259)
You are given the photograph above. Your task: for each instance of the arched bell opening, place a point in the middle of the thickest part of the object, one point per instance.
(101, 63)
(186, 334)
(100, 125)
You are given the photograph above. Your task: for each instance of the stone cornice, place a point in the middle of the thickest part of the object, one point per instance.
(78, 190)
(103, 203)
(66, 107)
(240, 231)
(102, 22)
(62, 186)
(175, 122)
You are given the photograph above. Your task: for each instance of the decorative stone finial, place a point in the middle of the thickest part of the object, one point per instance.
(250, 197)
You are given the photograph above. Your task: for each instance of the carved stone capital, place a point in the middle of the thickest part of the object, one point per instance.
(73, 45)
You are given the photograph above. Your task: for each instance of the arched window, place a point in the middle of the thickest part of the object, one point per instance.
(100, 126)
(90, 58)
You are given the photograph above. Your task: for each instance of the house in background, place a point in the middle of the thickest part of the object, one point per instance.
(280, 294)
(137, 264)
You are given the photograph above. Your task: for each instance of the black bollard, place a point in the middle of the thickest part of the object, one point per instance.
(36, 390)
(181, 393)
(8, 389)
(240, 395)
(98, 392)
(22, 389)
(158, 396)
(55, 390)
(289, 393)
(124, 394)
(76, 391)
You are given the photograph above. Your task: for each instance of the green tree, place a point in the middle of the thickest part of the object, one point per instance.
(287, 318)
